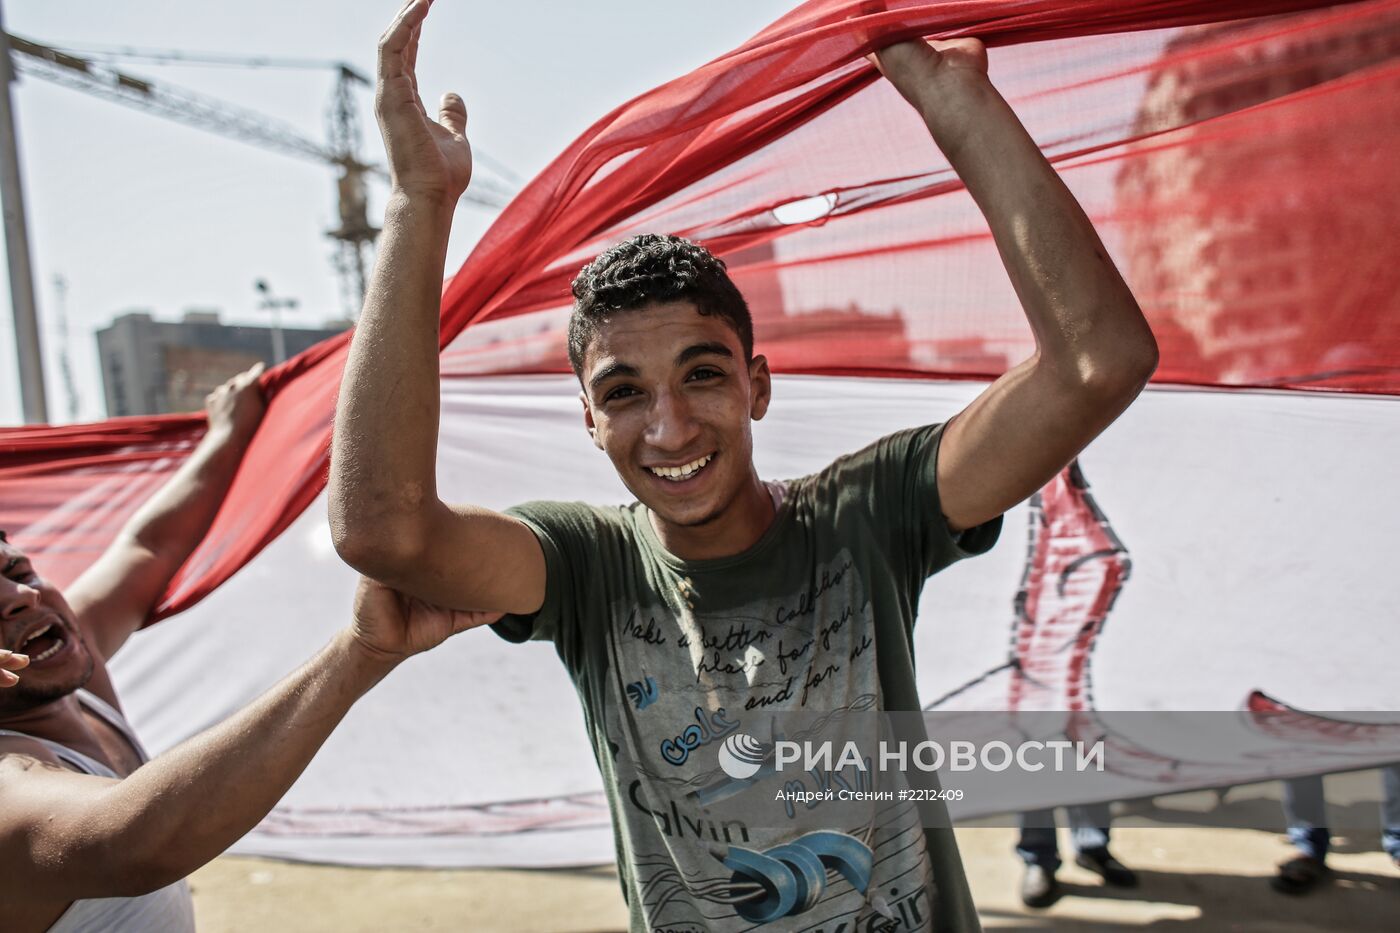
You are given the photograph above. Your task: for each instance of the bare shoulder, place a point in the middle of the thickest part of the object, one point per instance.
(20, 755)
(32, 778)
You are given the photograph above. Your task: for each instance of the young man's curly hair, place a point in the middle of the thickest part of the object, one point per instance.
(647, 268)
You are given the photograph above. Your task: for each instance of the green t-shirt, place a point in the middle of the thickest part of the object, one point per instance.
(667, 653)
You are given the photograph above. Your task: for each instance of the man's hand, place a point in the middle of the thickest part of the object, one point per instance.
(393, 626)
(9, 663)
(426, 158)
(916, 68)
(236, 408)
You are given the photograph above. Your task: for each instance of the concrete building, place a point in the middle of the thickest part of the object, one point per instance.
(1251, 229)
(152, 367)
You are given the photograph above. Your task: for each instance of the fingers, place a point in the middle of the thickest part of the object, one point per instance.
(395, 56)
(249, 375)
(410, 53)
(13, 661)
(238, 382)
(9, 663)
(452, 114)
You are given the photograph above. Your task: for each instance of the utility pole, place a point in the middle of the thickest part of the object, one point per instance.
(31, 360)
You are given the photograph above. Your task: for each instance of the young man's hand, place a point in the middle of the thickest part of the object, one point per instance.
(916, 68)
(236, 408)
(392, 626)
(426, 158)
(9, 663)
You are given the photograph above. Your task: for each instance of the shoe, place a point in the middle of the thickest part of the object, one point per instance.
(1112, 871)
(1039, 887)
(1299, 875)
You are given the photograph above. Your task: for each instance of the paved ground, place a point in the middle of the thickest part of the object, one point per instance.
(1193, 879)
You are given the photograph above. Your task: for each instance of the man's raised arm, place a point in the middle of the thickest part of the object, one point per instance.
(65, 835)
(386, 518)
(116, 594)
(1094, 350)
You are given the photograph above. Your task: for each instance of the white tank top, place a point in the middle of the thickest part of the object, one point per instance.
(169, 910)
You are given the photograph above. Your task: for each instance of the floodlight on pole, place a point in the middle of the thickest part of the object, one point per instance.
(275, 306)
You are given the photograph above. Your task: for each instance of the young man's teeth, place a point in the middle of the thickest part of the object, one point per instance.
(682, 472)
(48, 652)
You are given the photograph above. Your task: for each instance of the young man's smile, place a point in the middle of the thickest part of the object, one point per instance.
(670, 397)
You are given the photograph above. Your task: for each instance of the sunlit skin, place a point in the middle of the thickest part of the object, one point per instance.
(664, 386)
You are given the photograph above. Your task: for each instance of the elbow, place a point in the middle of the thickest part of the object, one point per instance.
(1144, 356)
(1119, 371)
(1133, 371)
(380, 546)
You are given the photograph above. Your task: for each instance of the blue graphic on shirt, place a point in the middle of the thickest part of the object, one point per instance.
(707, 728)
(643, 693)
(793, 875)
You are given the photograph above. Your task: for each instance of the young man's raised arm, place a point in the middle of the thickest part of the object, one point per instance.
(1094, 350)
(386, 518)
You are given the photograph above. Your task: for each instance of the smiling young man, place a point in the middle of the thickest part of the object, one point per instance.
(717, 598)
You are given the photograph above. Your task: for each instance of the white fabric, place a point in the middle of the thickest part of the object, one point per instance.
(169, 910)
(1261, 528)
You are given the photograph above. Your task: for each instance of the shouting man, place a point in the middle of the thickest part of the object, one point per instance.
(638, 600)
(93, 835)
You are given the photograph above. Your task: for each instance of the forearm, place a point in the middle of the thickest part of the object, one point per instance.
(115, 595)
(383, 462)
(1083, 316)
(187, 806)
(174, 520)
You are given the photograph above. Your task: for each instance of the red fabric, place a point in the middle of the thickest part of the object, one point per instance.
(1238, 169)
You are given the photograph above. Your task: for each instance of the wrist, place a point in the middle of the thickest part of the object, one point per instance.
(226, 435)
(955, 108)
(364, 659)
(950, 90)
(419, 201)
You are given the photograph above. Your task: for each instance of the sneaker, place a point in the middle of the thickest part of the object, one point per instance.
(1112, 871)
(1039, 887)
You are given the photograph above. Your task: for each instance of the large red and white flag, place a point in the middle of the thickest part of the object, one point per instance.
(1228, 543)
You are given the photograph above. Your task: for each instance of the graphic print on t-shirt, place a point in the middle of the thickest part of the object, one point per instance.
(684, 679)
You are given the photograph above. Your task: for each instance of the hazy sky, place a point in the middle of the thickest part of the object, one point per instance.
(138, 212)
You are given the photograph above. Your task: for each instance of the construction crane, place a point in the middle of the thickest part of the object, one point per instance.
(91, 73)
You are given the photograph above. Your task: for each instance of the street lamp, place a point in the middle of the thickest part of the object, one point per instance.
(275, 305)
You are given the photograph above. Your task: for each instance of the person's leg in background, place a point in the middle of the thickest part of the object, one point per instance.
(1390, 812)
(1305, 812)
(1040, 852)
(1089, 830)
